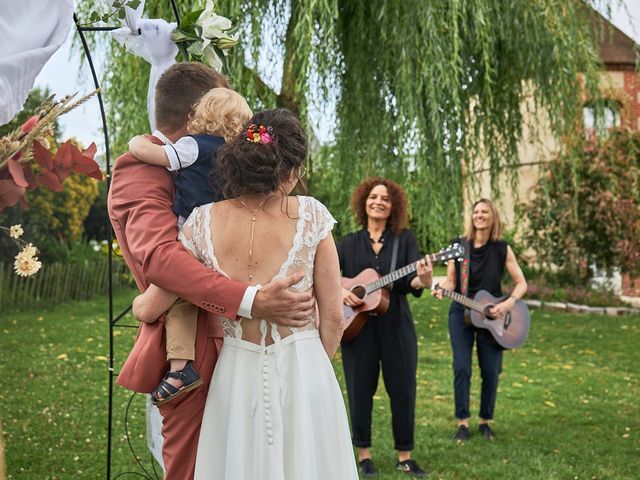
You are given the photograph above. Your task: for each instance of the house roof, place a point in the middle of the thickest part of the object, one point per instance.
(617, 50)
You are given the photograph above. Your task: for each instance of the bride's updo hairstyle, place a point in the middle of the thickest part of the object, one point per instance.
(259, 160)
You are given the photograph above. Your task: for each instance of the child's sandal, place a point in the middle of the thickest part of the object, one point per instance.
(165, 392)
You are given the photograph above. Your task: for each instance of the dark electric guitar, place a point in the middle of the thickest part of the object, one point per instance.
(368, 286)
(509, 331)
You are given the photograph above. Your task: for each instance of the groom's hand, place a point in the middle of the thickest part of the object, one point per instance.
(277, 304)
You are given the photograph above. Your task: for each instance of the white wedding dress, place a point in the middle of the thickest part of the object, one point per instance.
(273, 412)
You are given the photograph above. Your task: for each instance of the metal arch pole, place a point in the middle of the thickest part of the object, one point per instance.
(109, 234)
(96, 83)
(175, 11)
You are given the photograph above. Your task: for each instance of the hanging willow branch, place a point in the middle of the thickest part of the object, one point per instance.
(421, 89)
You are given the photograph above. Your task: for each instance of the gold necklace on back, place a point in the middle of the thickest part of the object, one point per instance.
(253, 227)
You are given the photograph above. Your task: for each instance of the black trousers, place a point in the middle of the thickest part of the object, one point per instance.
(391, 344)
(489, 359)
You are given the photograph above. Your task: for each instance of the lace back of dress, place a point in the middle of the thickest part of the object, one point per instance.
(314, 224)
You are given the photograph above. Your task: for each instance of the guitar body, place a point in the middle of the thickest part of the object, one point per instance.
(509, 331)
(376, 302)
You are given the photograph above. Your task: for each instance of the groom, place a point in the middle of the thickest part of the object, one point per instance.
(140, 208)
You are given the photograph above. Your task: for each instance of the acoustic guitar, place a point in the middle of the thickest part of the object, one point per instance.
(509, 331)
(368, 286)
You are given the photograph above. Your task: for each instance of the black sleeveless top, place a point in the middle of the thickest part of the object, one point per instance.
(486, 267)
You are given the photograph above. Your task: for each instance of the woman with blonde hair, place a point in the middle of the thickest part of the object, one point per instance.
(489, 256)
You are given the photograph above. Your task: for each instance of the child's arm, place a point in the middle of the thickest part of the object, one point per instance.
(148, 306)
(144, 149)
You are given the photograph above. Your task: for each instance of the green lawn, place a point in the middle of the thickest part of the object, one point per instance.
(567, 407)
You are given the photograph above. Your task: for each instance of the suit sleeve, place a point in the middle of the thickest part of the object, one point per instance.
(141, 200)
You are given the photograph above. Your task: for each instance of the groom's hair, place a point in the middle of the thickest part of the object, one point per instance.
(178, 90)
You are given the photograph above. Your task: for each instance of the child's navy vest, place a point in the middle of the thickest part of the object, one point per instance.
(193, 187)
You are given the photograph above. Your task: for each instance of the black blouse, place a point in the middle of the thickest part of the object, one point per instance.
(486, 268)
(356, 253)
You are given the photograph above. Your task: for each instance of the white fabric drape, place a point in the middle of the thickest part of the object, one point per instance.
(151, 40)
(30, 32)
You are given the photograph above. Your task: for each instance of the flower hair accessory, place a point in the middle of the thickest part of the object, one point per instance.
(262, 134)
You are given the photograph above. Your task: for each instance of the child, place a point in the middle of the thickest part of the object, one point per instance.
(218, 116)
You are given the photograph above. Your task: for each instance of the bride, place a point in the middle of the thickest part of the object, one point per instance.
(274, 410)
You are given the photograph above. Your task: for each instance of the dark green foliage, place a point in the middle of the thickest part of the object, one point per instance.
(97, 224)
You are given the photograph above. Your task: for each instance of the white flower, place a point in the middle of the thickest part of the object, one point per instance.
(227, 41)
(211, 58)
(15, 231)
(26, 266)
(27, 253)
(212, 25)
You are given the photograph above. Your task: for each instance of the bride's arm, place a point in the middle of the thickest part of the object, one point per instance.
(148, 306)
(328, 292)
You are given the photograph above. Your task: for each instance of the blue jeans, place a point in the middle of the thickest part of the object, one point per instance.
(489, 359)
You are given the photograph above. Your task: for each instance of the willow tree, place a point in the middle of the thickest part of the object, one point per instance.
(415, 90)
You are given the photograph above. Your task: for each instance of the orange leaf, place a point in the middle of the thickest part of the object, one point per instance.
(90, 151)
(64, 156)
(15, 169)
(10, 193)
(29, 176)
(86, 165)
(50, 180)
(42, 156)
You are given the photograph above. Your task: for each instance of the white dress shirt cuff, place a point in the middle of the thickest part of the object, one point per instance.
(244, 310)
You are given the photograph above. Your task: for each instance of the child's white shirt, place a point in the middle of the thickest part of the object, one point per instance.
(182, 153)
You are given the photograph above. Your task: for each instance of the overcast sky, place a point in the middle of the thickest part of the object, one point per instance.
(63, 75)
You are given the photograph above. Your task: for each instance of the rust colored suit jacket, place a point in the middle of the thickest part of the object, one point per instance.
(140, 208)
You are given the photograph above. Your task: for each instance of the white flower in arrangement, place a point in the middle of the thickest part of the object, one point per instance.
(204, 36)
(213, 25)
(212, 59)
(26, 267)
(26, 263)
(16, 231)
(28, 251)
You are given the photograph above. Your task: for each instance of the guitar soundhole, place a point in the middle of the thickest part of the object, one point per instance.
(359, 291)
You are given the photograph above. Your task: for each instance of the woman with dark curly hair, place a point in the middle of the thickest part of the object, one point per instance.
(386, 341)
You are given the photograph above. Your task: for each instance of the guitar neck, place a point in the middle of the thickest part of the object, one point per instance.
(461, 299)
(395, 275)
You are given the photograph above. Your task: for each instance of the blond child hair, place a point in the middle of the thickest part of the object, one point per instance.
(220, 112)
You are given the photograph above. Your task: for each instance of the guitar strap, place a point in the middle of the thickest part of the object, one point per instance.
(464, 275)
(464, 268)
(394, 257)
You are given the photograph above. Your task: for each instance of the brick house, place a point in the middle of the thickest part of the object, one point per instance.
(620, 81)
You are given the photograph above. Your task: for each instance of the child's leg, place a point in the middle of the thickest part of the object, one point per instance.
(180, 325)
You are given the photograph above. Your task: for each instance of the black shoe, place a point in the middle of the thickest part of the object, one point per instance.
(410, 467)
(462, 434)
(367, 468)
(485, 431)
